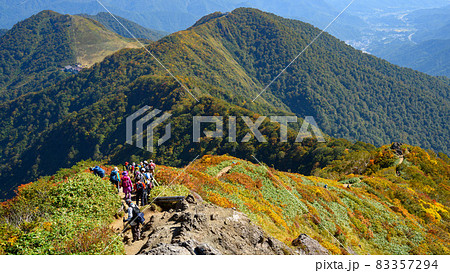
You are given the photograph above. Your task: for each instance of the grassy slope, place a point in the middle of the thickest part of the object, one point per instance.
(384, 213)
(68, 213)
(92, 42)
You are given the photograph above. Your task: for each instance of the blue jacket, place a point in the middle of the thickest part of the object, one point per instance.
(98, 171)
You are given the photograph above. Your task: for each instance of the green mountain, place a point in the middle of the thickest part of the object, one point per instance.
(3, 32)
(352, 95)
(230, 57)
(431, 57)
(137, 30)
(35, 50)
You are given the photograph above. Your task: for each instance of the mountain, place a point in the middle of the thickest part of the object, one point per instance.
(416, 39)
(382, 28)
(398, 205)
(35, 50)
(225, 60)
(431, 56)
(332, 81)
(369, 6)
(175, 15)
(430, 24)
(138, 31)
(3, 32)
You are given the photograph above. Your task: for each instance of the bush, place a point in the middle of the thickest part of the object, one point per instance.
(70, 217)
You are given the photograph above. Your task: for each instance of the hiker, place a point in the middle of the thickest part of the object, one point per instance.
(141, 191)
(98, 171)
(135, 218)
(114, 177)
(126, 185)
(125, 166)
(148, 180)
(152, 167)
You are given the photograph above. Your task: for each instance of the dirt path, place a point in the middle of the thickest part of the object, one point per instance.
(224, 171)
(131, 248)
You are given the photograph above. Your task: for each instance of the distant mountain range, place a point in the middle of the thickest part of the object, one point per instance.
(124, 26)
(230, 57)
(422, 41)
(382, 28)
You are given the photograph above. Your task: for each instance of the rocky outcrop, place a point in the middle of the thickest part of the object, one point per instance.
(308, 246)
(396, 147)
(204, 229)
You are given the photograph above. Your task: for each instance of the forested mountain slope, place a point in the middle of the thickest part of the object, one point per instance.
(35, 50)
(230, 57)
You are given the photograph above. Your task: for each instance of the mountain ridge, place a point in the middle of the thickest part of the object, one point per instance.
(399, 208)
(221, 58)
(137, 30)
(35, 50)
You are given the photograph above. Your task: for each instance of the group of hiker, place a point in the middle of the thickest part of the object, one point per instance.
(138, 178)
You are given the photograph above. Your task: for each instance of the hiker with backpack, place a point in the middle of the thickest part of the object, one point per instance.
(126, 185)
(135, 219)
(152, 167)
(98, 171)
(114, 177)
(141, 191)
(148, 180)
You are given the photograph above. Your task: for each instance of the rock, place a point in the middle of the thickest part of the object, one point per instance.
(193, 197)
(396, 147)
(190, 199)
(175, 217)
(205, 249)
(308, 246)
(190, 245)
(167, 249)
(201, 230)
(182, 205)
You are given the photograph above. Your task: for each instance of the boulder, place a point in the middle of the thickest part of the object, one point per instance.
(308, 246)
(205, 249)
(168, 249)
(205, 229)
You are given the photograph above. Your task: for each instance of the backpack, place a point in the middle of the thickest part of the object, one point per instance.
(147, 176)
(136, 211)
(140, 177)
(114, 177)
(140, 186)
(138, 214)
(140, 218)
(126, 183)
